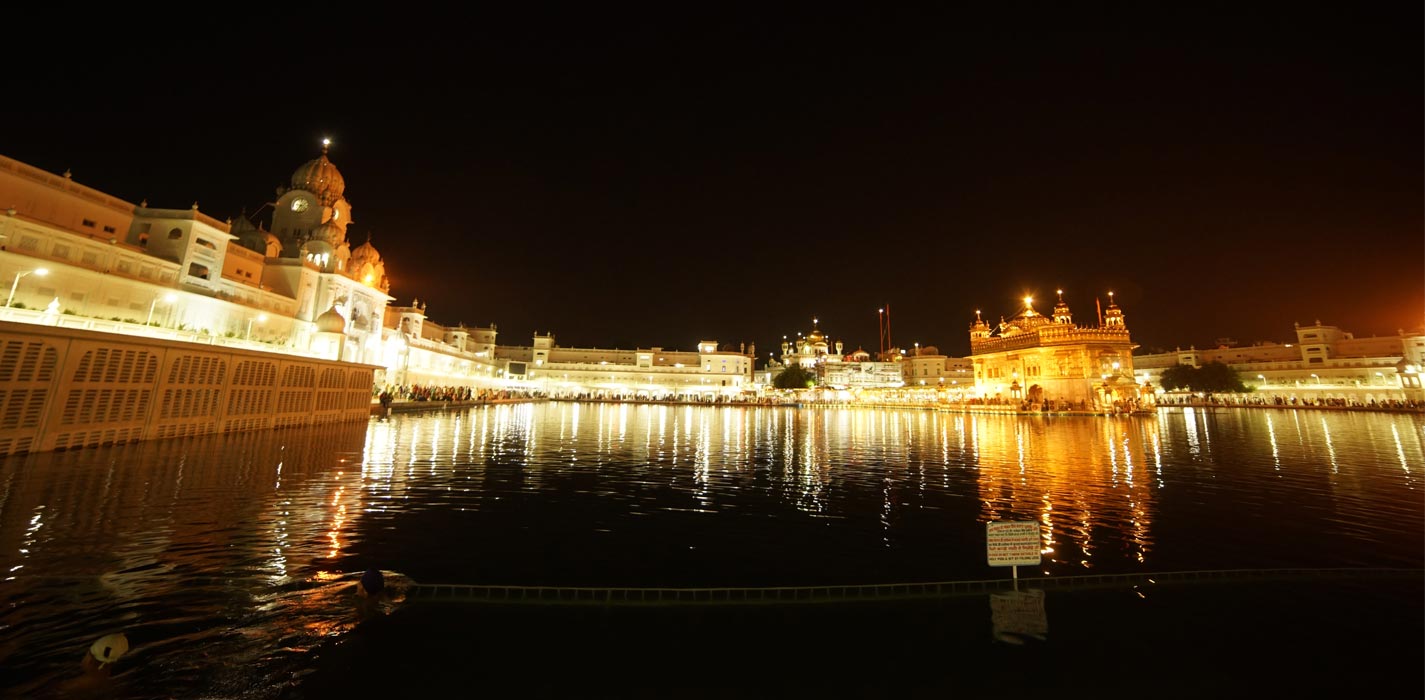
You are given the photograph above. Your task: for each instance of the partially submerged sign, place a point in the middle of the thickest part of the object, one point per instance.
(1019, 616)
(1013, 543)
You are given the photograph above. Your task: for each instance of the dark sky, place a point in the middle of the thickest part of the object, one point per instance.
(636, 180)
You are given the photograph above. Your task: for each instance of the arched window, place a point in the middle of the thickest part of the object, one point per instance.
(175, 234)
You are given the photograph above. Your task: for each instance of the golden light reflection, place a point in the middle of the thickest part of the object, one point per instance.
(1400, 452)
(1190, 423)
(278, 563)
(1112, 455)
(702, 457)
(1046, 520)
(1157, 442)
(29, 540)
(622, 422)
(1272, 437)
(1075, 483)
(1330, 448)
(1127, 464)
(338, 519)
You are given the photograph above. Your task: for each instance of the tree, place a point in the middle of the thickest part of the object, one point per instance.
(1215, 376)
(1210, 377)
(794, 377)
(1177, 377)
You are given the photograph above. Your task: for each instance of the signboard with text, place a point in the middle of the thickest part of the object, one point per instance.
(1012, 543)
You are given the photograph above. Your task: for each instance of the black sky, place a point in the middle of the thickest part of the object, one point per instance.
(638, 180)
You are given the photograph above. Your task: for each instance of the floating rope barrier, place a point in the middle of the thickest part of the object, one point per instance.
(556, 595)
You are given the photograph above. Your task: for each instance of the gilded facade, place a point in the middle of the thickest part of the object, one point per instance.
(1049, 360)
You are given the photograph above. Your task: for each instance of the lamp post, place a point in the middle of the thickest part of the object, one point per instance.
(261, 318)
(1318, 379)
(168, 298)
(1262, 379)
(38, 271)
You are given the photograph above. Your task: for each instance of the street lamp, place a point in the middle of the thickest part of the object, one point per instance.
(1318, 379)
(39, 271)
(168, 298)
(261, 318)
(1264, 379)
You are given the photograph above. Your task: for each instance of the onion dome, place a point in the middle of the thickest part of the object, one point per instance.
(816, 335)
(321, 178)
(329, 233)
(1028, 318)
(331, 322)
(364, 253)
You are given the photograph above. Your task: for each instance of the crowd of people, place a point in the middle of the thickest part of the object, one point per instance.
(390, 394)
(1292, 402)
(423, 392)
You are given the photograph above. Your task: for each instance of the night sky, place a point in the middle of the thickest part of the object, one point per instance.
(635, 180)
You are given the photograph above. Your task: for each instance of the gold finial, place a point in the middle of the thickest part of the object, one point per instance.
(1061, 294)
(326, 143)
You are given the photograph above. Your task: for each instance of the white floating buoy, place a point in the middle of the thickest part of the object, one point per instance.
(109, 648)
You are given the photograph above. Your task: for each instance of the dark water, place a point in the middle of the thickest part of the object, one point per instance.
(229, 560)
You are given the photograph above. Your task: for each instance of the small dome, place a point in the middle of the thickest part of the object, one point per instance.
(816, 337)
(320, 177)
(331, 322)
(328, 232)
(365, 253)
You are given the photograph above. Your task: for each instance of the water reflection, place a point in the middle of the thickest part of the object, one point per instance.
(246, 543)
(1018, 617)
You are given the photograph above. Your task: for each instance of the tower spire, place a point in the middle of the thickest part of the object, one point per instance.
(1061, 311)
(1113, 318)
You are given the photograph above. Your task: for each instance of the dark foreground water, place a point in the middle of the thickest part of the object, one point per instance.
(229, 561)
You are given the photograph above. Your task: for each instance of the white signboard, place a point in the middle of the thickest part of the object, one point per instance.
(1013, 543)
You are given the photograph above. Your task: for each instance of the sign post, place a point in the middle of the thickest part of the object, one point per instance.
(1013, 543)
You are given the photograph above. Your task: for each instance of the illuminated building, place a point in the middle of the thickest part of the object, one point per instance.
(652, 373)
(926, 367)
(416, 350)
(823, 358)
(1035, 359)
(79, 258)
(1325, 363)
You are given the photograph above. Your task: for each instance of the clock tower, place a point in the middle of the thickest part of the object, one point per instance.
(313, 201)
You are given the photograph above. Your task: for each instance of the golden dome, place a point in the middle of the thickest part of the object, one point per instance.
(331, 322)
(321, 178)
(329, 233)
(365, 253)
